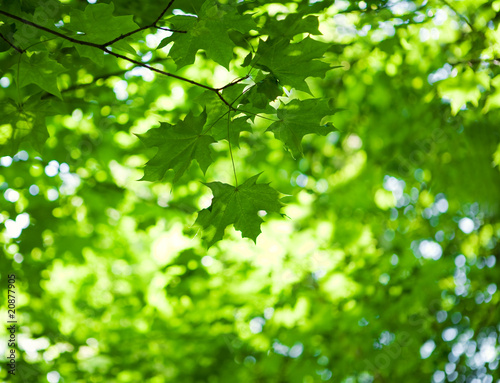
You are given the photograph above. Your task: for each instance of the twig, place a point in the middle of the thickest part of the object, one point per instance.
(12, 45)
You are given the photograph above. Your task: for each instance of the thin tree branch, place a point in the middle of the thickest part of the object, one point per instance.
(152, 68)
(106, 49)
(12, 45)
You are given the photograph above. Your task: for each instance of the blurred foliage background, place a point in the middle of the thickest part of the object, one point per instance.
(384, 270)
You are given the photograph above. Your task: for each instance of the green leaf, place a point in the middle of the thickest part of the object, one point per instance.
(291, 64)
(177, 146)
(298, 118)
(94, 54)
(207, 31)
(238, 206)
(98, 25)
(41, 70)
(292, 25)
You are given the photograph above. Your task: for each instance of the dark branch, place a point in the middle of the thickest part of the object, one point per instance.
(12, 45)
(104, 48)
(151, 68)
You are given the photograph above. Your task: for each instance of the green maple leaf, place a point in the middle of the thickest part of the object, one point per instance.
(207, 31)
(177, 146)
(293, 25)
(238, 206)
(298, 118)
(98, 25)
(41, 70)
(291, 64)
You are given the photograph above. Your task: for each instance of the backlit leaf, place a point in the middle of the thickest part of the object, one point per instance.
(238, 206)
(298, 118)
(207, 31)
(177, 146)
(41, 70)
(290, 63)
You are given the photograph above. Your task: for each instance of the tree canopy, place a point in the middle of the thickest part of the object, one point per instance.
(251, 191)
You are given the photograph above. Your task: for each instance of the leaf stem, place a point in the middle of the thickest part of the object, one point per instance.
(256, 114)
(17, 81)
(230, 148)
